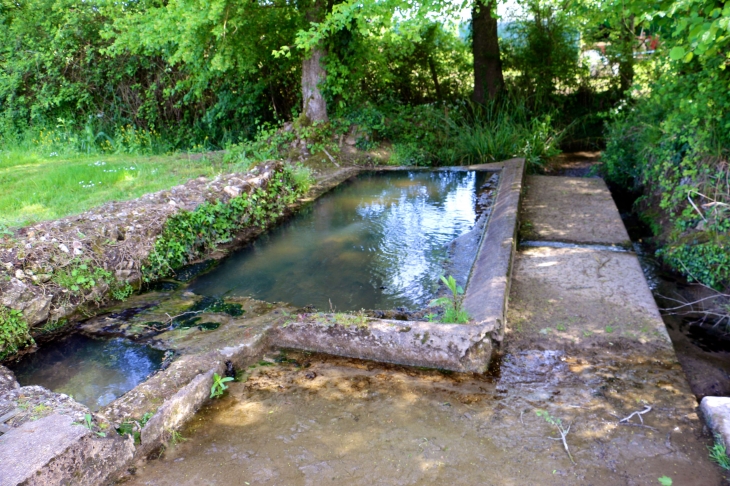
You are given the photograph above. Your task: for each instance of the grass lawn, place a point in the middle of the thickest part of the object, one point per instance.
(35, 188)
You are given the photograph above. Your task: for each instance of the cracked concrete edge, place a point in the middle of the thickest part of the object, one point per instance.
(55, 450)
(487, 290)
(456, 347)
(67, 453)
(716, 411)
(176, 410)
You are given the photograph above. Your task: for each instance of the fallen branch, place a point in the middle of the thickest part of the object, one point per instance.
(332, 159)
(172, 318)
(647, 409)
(562, 431)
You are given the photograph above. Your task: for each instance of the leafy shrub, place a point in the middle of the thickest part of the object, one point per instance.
(14, 332)
(191, 234)
(673, 145)
(542, 49)
(81, 276)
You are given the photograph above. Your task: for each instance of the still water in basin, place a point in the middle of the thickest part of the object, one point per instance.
(93, 371)
(378, 241)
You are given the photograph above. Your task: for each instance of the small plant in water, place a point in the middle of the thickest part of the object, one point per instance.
(561, 430)
(176, 437)
(718, 453)
(454, 313)
(219, 385)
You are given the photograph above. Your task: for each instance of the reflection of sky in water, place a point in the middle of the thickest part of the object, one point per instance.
(94, 372)
(376, 242)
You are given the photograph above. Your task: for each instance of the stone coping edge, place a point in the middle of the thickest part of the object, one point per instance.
(716, 411)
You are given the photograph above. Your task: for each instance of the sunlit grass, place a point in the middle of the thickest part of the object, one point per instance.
(36, 188)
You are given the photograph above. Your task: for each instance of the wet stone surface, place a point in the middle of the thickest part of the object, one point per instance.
(323, 420)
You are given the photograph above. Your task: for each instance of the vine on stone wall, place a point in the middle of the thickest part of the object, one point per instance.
(190, 235)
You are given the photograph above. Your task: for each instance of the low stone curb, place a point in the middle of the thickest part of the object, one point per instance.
(716, 411)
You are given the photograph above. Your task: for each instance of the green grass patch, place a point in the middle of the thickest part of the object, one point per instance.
(38, 188)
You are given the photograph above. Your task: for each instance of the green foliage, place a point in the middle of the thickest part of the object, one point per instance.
(41, 187)
(192, 234)
(673, 141)
(80, 277)
(454, 313)
(143, 77)
(134, 427)
(122, 291)
(707, 262)
(665, 481)
(718, 453)
(461, 133)
(544, 414)
(14, 333)
(89, 424)
(542, 49)
(500, 131)
(301, 178)
(219, 385)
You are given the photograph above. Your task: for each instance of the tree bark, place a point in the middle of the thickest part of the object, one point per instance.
(488, 78)
(314, 74)
(435, 78)
(313, 77)
(626, 62)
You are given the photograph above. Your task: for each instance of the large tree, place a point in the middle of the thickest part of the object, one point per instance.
(488, 77)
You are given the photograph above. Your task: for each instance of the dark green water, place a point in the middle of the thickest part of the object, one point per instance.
(93, 371)
(378, 241)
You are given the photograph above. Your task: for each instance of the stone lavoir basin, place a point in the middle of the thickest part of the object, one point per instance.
(377, 241)
(350, 274)
(375, 244)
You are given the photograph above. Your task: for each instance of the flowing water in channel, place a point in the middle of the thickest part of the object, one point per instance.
(93, 371)
(378, 241)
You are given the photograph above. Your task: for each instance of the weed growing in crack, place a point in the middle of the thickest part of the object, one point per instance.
(718, 453)
(219, 385)
(14, 333)
(454, 312)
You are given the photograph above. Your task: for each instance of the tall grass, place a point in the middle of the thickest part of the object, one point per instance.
(466, 133)
(501, 130)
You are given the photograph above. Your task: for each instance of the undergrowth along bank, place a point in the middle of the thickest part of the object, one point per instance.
(14, 332)
(190, 235)
(52, 272)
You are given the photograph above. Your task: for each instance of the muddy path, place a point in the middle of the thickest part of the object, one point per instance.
(325, 420)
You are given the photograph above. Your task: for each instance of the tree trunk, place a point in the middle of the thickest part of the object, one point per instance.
(435, 78)
(488, 78)
(313, 76)
(313, 72)
(626, 62)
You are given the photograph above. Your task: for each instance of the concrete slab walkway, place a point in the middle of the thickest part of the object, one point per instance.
(571, 209)
(592, 308)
